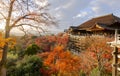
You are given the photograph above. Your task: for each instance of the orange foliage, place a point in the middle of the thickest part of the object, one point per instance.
(98, 55)
(47, 42)
(63, 61)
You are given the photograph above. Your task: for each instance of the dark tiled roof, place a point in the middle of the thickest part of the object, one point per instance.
(73, 27)
(104, 21)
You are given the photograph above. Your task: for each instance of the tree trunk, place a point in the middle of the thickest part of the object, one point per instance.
(5, 48)
(4, 55)
(3, 71)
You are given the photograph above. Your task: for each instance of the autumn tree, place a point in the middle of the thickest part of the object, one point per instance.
(61, 61)
(49, 41)
(3, 41)
(10, 41)
(97, 55)
(22, 14)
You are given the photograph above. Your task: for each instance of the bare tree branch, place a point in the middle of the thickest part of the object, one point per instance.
(22, 17)
(31, 16)
(3, 15)
(3, 4)
(20, 5)
(38, 29)
(21, 28)
(31, 26)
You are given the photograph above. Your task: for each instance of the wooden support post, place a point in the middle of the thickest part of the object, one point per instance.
(115, 62)
(116, 31)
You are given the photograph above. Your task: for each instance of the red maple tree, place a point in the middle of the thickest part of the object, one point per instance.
(61, 61)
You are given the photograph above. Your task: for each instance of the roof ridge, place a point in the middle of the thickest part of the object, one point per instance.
(103, 16)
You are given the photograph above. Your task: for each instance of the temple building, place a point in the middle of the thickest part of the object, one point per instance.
(100, 25)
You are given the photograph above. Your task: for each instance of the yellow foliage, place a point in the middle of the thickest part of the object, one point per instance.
(1, 54)
(10, 41)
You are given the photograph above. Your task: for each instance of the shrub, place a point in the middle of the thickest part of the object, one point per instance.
(32, 49)
(28, 66)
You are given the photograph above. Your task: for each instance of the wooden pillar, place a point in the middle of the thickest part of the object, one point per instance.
(116, 31)
(115, 62)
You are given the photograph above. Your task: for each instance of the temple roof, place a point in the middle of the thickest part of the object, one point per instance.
(109, 21)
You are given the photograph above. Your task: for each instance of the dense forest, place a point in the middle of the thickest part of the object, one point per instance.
(48, 55)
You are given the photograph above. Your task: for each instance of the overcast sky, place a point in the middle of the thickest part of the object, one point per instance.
(75, 12)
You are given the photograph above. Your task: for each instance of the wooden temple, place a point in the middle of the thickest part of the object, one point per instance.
(108, 25)
(100, 25)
